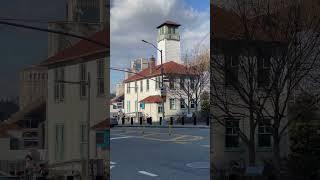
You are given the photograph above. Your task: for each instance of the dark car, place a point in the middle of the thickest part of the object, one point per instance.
(9, 178)
(113, 122)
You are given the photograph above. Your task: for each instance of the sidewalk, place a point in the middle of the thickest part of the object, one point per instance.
(157, 125)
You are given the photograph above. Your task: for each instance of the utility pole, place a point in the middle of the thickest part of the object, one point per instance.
(162, 89)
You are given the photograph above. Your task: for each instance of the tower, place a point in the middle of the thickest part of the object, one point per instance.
(169, 42)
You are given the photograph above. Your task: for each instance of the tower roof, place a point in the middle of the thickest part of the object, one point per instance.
(169, 23)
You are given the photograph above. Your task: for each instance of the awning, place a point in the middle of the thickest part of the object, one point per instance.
(152, 99)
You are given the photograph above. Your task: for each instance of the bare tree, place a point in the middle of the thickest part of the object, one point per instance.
(273, 48)
(194, 81)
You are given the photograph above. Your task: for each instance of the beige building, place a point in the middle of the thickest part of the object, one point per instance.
(33, 85)
(229, 150)
(67, 104)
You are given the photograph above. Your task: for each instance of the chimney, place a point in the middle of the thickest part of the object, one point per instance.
(152, 64)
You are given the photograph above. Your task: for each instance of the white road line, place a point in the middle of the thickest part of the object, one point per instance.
(113, 163)
(147, 173)
(112, 167)
(122, 137)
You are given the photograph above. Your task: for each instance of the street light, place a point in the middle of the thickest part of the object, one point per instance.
(162, 86)
(88, 115)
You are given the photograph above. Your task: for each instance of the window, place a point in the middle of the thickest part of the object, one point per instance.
(182, 103)
(135, 87)
(83, 80)
(59, 145)
(160, 108)
(83, 139)
(232, 133)
(192, 86)
(128, 106)
(59, 86)
(30, 139)
(147, 85)
(114, 106)
(136, 105)
(171, 83)
(264, 67)
(141, 86)
(231, 70)
(100, 77)
(264, 133)
(172, 104)
(182, 83)
(100, 138)
(128, 88)
(192, 104)
(158, 83)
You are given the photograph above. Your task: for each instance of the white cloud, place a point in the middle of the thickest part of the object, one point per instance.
(134, 20)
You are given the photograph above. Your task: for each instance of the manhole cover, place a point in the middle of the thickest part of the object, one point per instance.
(199, 165)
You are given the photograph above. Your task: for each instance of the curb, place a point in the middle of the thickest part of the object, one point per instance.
(166, 126)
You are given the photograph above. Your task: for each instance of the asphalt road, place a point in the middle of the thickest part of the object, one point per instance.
(151, 153)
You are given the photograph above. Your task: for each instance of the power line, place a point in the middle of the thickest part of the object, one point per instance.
(52, 31)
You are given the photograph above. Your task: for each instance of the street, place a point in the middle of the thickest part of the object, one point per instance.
(151, 153)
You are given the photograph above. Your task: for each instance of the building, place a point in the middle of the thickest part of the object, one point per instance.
(83, 18)
(231, 123)
(33, 85)
(143, 97)
(67, 103)
(137, 65)
(169, 42)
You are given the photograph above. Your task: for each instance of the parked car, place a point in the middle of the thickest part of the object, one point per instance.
(113, 121)
(9, 178)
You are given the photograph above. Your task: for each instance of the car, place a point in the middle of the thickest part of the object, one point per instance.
(113, 122)
(9, 178)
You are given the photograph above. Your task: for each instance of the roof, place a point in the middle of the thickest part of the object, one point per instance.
(103, 125)
(82, 49)
(169, 68)
(152, 99)
(168, 23)
(5, 127)
(228, 25)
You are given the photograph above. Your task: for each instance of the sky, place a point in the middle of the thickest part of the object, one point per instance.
(20, 47)
(131, 21)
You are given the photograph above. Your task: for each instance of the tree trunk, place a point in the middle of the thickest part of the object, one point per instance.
(276, 156)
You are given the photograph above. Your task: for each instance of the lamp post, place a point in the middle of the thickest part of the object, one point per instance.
(162, 85)
(88, 116)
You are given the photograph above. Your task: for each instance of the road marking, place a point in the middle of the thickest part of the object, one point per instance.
(148, 174)
(113, 163)
(207, 146)
(123, 137)
(112, 167)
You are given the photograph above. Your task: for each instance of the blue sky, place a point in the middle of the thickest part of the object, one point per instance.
(132, 21)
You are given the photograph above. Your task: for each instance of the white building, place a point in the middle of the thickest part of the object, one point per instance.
(142, 97)
(67, 104)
